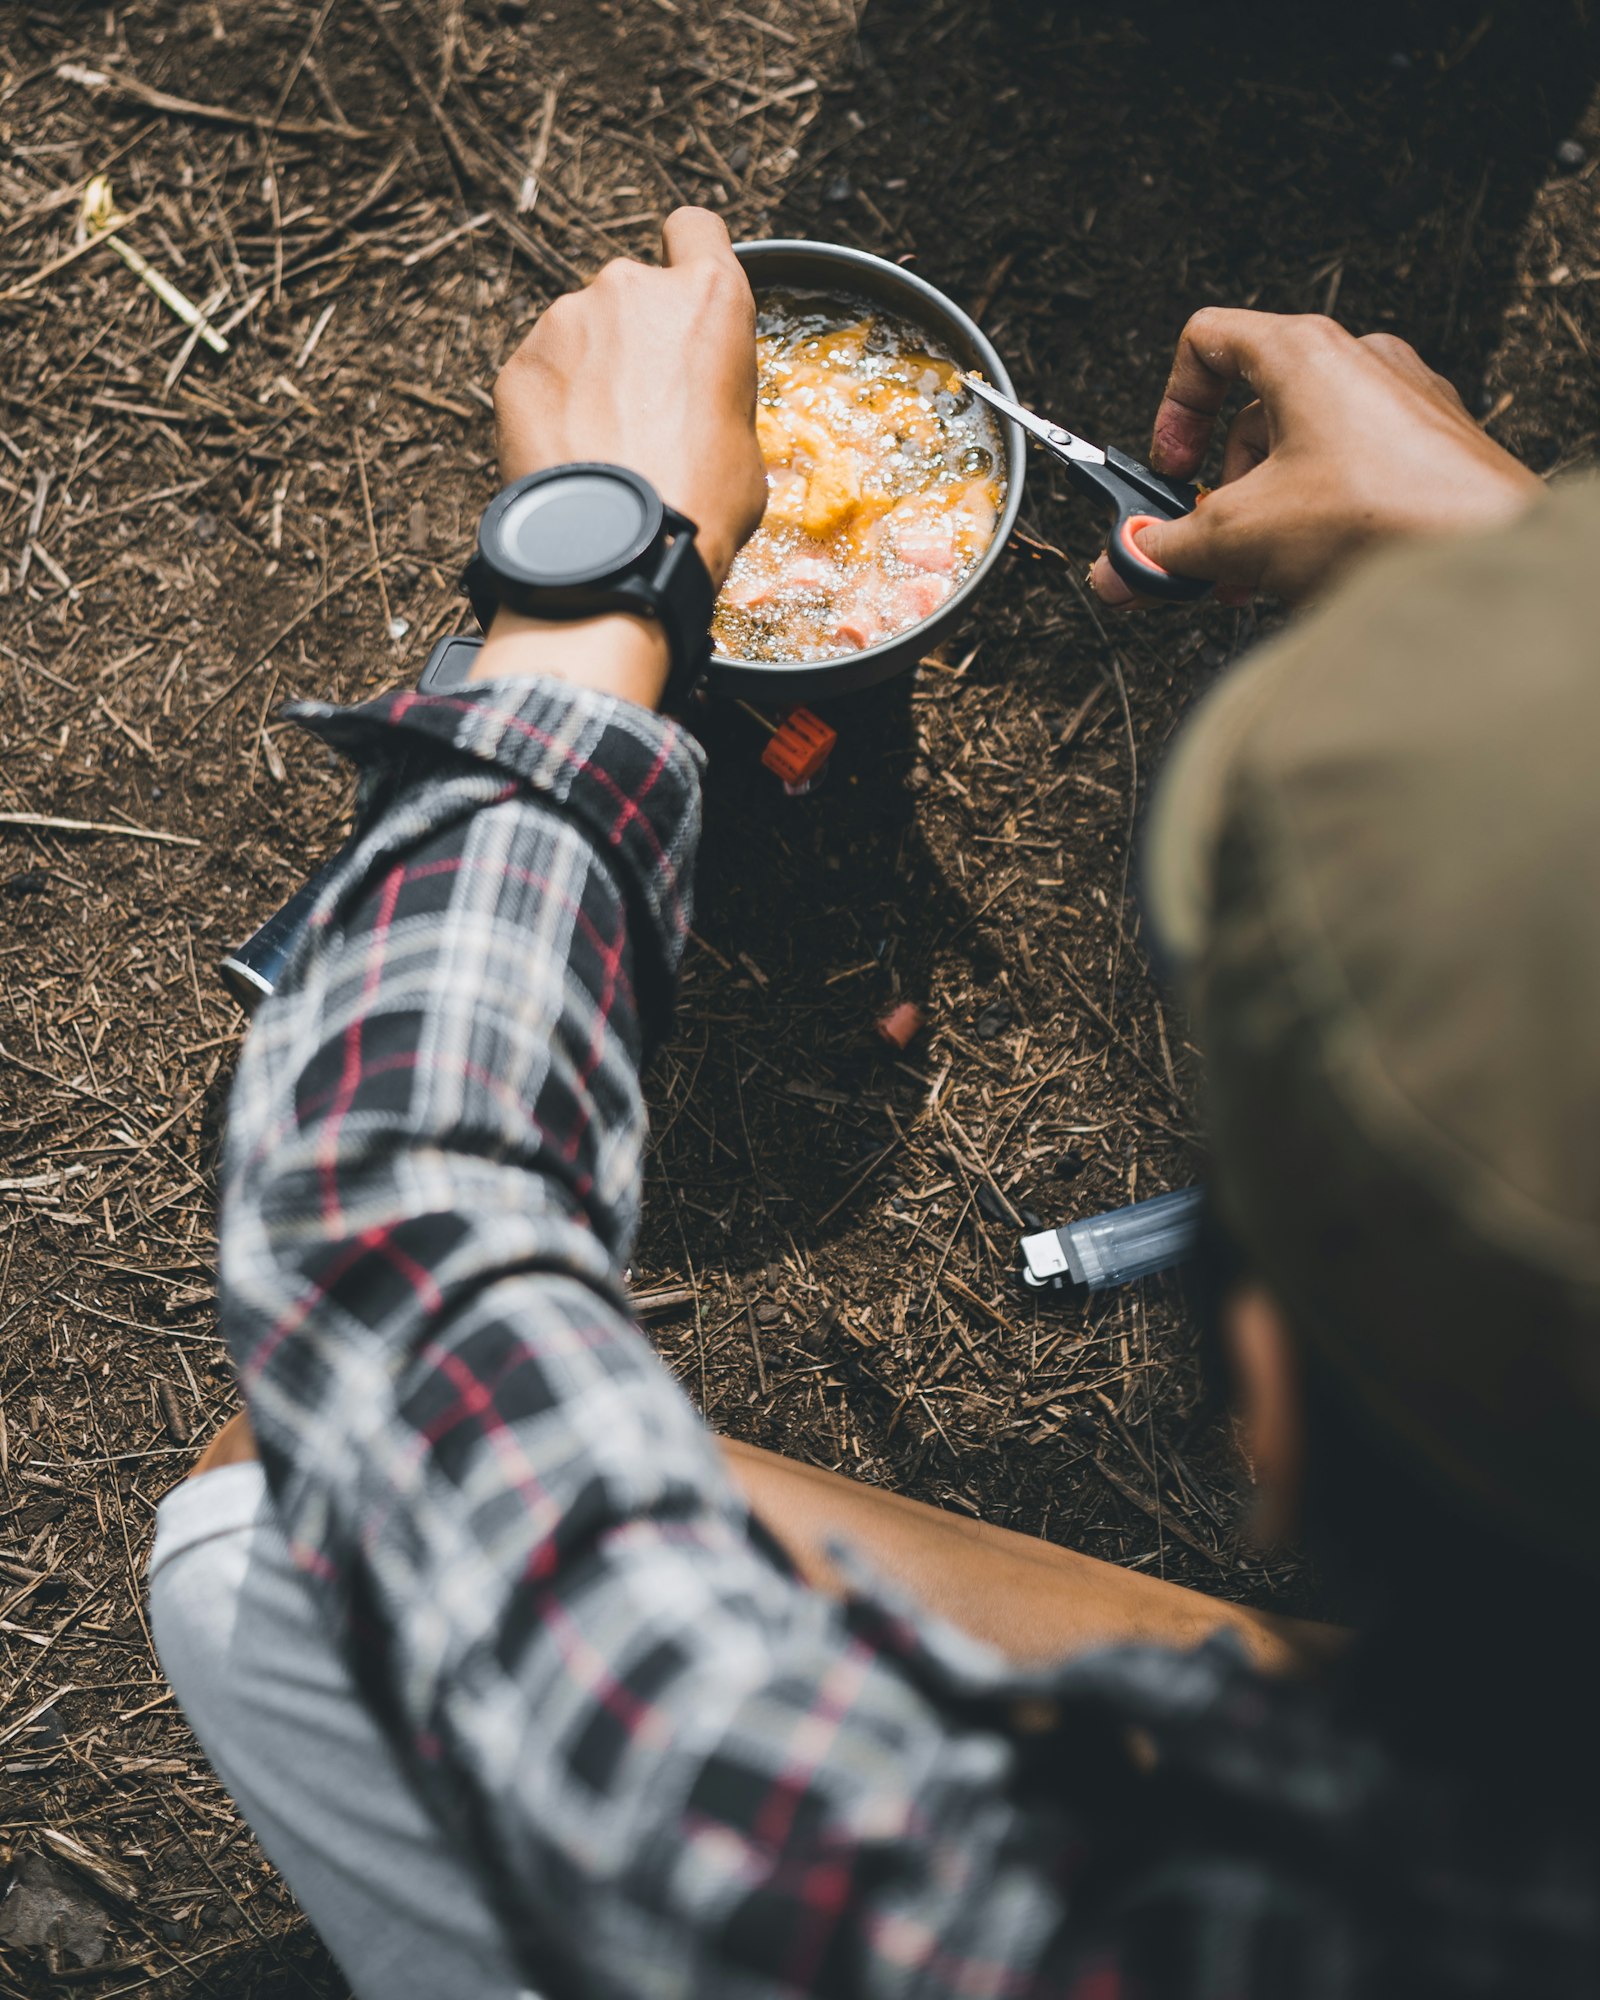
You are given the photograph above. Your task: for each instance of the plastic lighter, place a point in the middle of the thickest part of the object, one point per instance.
(1115, 1249)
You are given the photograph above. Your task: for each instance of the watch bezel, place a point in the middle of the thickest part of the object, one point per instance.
(614, 571)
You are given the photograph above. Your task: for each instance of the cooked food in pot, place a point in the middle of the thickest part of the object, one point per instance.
(885, 479)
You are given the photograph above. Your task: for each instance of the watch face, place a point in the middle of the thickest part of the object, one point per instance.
(575, 527)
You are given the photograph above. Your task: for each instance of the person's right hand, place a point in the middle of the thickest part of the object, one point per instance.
(1349, 443)
(655, 369)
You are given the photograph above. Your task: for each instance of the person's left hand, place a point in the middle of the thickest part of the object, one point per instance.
(1351, 444)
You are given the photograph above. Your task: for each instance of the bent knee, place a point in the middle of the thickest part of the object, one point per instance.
(207, 1531)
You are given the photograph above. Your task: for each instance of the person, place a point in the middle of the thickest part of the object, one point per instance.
(530, 1687)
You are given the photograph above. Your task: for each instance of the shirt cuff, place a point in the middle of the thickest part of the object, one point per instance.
(629, 777)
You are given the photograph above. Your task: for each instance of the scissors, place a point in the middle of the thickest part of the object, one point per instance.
(1139, 495)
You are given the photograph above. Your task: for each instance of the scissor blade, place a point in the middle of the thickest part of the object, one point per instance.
(1054, 437)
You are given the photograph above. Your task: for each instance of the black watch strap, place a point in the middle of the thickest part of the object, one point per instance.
(673, 586)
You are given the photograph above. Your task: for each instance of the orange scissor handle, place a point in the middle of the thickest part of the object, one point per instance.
(1141, 572)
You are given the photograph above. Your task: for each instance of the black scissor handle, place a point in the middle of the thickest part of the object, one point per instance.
(1142, 497)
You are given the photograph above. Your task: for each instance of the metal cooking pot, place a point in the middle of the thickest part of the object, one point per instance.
(830, 267)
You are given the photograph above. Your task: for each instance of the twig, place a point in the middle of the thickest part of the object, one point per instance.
(98, 214)
(372, 534)
(309, 345)
(543, 255)
(122, 1515)
(69, 257)
(1116, 1033)
(963, 1290)
(299, 63)
(1135, 1498)
(38, 1709)
(50, 823)
(116, 83)
(41, 493)
(755, 1345)
(428, 251)
(865, 1174)
(974, 1161)
(664, 1299)
(1469, 228)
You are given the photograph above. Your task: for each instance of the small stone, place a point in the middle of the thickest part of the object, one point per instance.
(817, 1336)
(990, 1203)
(768, 1313)
(44, 1909)
(1069, 1166)
(26, 882)
(206, 527)
(1571, 155)
(994, 1020)
(840, 188)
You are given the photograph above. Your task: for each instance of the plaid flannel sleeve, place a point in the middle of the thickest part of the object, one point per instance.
(681, 1771)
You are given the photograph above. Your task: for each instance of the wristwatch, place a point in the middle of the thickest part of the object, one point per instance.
(580, 539)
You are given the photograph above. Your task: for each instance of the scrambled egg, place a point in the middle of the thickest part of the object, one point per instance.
(884, 479)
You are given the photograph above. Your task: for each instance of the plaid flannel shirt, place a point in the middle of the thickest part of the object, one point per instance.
(681, 1772)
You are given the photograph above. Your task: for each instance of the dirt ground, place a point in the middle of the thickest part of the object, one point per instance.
(372, 198)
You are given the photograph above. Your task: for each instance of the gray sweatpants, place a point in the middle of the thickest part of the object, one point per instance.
(276, 1712)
